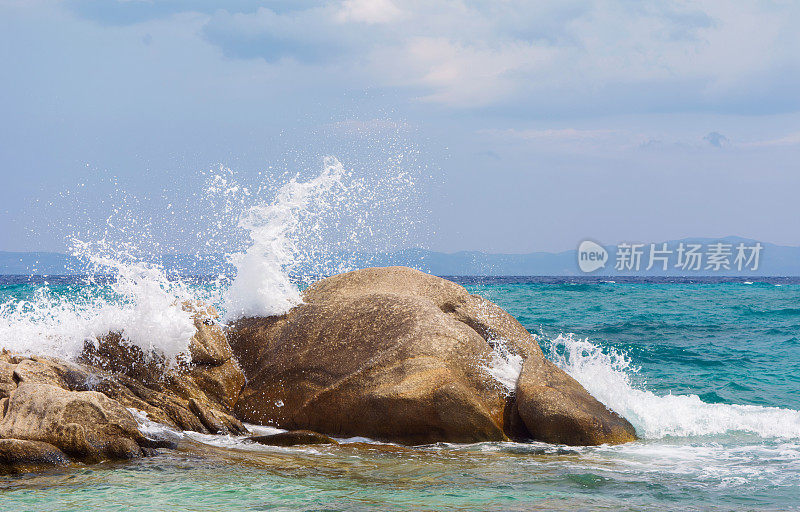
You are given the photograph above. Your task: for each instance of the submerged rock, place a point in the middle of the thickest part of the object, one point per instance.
(21, 456)
(293, 438)
(398, 355)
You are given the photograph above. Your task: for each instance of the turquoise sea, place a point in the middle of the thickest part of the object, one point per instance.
(708, 372)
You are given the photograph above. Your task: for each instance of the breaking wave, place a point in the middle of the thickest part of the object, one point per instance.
(121, 294)
(606, 374)
(289, 237)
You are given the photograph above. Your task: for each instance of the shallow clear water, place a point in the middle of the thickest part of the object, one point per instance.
(708, 373)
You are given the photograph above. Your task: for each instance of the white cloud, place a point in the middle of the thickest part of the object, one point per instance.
(453, 73)
(544, 57)
(369, 11)
(662, 55)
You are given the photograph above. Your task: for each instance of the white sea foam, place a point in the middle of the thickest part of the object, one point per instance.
(505, 366)
(606, 375)
(152, 429)
(134, 298)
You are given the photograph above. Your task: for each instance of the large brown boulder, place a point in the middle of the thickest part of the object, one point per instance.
(84, 424)
(382, 366)
(555, 408)
(392, 354)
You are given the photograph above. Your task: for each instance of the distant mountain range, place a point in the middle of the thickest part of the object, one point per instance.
(773, 260)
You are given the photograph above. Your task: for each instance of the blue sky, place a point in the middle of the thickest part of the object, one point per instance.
(534, 124)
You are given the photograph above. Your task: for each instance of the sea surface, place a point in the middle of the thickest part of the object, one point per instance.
(707, 370)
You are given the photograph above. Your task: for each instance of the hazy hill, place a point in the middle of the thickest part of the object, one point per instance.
(774, 260)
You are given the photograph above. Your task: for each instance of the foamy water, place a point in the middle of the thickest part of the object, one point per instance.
(135, 299)
(606, 374)
(504, 366)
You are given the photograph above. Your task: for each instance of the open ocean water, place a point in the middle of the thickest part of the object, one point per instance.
(707, 370)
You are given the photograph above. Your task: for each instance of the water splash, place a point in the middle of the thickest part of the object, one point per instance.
(606, 374)
(121, 295)
(146, 306)
(262, 286)
(276, 236)
(505, 366)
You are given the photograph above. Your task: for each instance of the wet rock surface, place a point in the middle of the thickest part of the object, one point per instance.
(22, 455)
(82, 409)
(293, 438)
(555, 408)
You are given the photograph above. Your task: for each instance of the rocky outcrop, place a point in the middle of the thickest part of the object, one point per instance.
(84, 424)
(196, 394)
(387, 353)
(395, 354)
(82, 410)
(293, 438)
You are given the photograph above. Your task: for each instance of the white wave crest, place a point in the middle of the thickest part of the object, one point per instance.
(606, 375)
(127, 296)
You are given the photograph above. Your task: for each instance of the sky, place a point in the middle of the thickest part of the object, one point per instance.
(528, 125)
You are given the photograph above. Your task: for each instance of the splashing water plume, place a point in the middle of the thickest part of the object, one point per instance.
(302, 233)
(262, 285)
